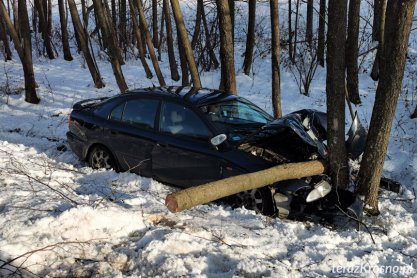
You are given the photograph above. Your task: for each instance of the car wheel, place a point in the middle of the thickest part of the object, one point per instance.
(259, 200)
(100, 157)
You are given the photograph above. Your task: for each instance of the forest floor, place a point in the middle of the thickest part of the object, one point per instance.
(59, 217)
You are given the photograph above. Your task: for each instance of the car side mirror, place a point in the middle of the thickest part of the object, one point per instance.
(218, 140)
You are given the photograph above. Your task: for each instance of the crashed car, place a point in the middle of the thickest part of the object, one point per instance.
(185, 137)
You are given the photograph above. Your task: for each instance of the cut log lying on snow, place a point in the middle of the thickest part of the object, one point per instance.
(212, 191)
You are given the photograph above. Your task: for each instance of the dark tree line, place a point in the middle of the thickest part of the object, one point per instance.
(147, 28)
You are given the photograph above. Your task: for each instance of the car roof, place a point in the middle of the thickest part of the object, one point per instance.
(192, 95)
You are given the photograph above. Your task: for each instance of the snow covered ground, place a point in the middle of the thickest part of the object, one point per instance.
(58, 217)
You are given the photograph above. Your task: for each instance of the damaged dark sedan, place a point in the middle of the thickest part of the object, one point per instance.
(185, 137)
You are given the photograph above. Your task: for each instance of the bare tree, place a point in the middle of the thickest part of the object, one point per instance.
(197, 26)
(322, 33)
(335, 88)
(228, 79)
(44, 28)
(3, 37)
(23, 47)
(83, 44)
(64, 31)
(148, 40)
(155, 22)
(352, 52)
(185, 43)
(381, 31)
(250, 37)
(376, 20)
(276, 83)
(139, 40)
(399, 18)
(309, 25)
(290, 31)
(170, 42)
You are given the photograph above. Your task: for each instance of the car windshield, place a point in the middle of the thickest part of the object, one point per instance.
(237, 118)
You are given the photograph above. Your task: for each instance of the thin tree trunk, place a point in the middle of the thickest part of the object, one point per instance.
(108, 35)
(170, 42)
(197, 28)
(250, 37)
(139, 40)
(335, 88)
(375, 25)
(64, 31)
(112, 32)
(213, 58)
(290, 32)
(161, 35)
(83, 40)
(322, 33)
(352, 51)
(23, 48)
(155, 22)
(232, 17)
(122, 26)
(3, 37)
(113, 12)
(185, 80)
(148, 39)
(15, 15)
(309, 27)
(382, 15)
(44, 29)
(392, 63)
(228, 80)
(185, 43)
(276, 82)
(297, 15)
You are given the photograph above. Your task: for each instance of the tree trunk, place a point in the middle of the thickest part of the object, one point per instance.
(197, 28)
(297, 15)
(375, 25)
(23, 48)
(122, 26)
(155, 22)
(108, 36)
(148, 39)
(139, 40)
(276, 82)
(335, 88)
(186, 45)
(250, 37)
(64, 31)
(392, 63)
(44, 29)
(228, 79)
(352, 51)
(232, 17)
(290, 32)
(382, 15)
(3, 37)
(212, 191)
(210, 47)
(309, 27)
(15, 15)
(322, 33)
(185, 80)
(161, 35)
(170, 42)
(83, 39)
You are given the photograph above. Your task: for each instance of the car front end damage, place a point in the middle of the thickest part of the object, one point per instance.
(301, 136)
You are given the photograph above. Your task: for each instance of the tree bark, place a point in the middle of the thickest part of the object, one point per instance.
(64, 31)
(139, 39)
(185, 44)
(290, 31)
(212, 191)
(275, 56)
(210, 48)
(392, 63)
(23, 48)
(297, 15)
(3, 37)
(155, 22)
(148, 39)
(122, 26)
(322, 33)
(382, 15)
(197, 28)
(352, 51)
(44, 29)
(83, 40)
(375, 25)
(228, 79)
(250, 37)
(170, 42)
(335, 88)
(309, 27)
(232, 17)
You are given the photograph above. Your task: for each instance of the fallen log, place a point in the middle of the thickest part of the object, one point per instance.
(212, 191)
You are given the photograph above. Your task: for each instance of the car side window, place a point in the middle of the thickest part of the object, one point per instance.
(116, 113)
(140, 112)
(179, 120)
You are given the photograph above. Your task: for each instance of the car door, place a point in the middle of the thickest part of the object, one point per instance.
(183, 155)
(132, 131)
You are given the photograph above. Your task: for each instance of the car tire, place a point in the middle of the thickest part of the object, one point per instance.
(101, 158)
(259, 200)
